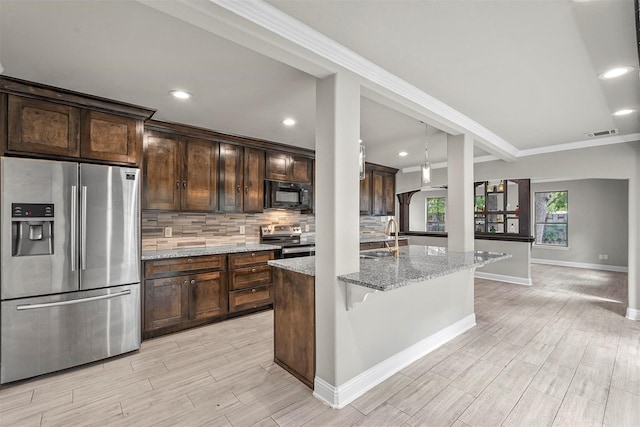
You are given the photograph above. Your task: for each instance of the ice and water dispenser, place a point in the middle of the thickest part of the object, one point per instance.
(32, 229)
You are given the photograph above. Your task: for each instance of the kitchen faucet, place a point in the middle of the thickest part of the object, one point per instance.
(395, 249)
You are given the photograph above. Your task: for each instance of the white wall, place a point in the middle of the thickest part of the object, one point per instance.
(418, 209)
(619, 161)
(598, 222)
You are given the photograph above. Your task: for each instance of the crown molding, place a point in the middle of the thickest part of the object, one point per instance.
(589, 143)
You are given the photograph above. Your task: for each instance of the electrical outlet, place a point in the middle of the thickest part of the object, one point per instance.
(306, 227)
(600, 256)
(242, 229)
(605, 256)
(168, 232)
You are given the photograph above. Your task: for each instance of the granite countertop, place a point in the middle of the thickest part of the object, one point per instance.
(415, 264)
(371, 239)
(212, 250)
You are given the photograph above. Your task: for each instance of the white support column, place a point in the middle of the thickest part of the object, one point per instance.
(633, 310)
(460, 193)
(337, 213)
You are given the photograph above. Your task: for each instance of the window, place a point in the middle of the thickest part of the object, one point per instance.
(435, 213)
(552, 218)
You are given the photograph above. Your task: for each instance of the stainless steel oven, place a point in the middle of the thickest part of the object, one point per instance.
(288, 237)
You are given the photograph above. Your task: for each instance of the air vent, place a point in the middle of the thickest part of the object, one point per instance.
(601, 133)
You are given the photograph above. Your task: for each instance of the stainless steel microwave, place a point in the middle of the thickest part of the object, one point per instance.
(287, 195)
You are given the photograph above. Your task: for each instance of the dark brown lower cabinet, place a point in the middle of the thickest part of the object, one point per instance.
(182, 293)
(294, 316)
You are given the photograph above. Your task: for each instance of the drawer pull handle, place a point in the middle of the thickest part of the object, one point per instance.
(253, 270)
(253, 290)
(193, 282)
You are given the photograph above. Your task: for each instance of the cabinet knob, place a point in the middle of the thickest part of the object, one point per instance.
(189, 260)
(246, 189)
(193, 282)
(184, 184)
(186, 282)
(253, 254)
(178, 184)
(253, 290)
(253, 270)
(238, 188)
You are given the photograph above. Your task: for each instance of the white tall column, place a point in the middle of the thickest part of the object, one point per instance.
(460, 193)
(633, 310)
(337, 210)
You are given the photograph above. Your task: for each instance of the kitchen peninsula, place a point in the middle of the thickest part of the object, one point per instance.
(422, 292)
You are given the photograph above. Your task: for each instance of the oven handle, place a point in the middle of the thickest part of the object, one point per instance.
(298, 250)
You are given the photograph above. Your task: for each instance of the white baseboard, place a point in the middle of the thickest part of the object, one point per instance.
(617, 268)
(524, 281)
(633, 314)
(339, 397)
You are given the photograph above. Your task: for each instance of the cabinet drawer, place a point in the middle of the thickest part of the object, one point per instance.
(174, 265)
(403, 242)
(246, 259)
(250, 298)
(250, 276)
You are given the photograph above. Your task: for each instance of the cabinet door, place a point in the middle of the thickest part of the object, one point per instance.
(254, 164)
(161, 171)
(166, 302)
(300, 169)
(200, 175)
(208, 295)
(231, 178)
(365, 194)
(42, 127)
(389, 194)
(111, 138)
(277, 167)
(377, 193)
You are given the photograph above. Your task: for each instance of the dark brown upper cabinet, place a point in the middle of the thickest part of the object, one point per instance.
(383, 190)
(365, 193)
(179, 173)
(378, 190)
(241, 178)
(231, 174)
(38, 126)
(254, 165)
(288, 167)
(110, 138)
(43, 121)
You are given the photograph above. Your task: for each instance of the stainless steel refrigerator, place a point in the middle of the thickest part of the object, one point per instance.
(70, 274)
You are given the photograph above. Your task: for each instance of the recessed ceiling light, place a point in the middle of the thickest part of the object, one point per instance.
(403, 154)
(615, 72)
(624, 112)
(288, 122)
(180, 94)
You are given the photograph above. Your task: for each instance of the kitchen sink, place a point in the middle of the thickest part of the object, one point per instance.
(375, 254)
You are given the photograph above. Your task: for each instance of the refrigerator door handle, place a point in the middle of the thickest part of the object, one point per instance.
(74, 227)
(74, 301)
(83, 230)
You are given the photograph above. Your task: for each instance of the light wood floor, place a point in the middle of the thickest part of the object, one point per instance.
(558, 353)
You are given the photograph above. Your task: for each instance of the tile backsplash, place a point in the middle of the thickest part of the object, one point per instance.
(199, 230)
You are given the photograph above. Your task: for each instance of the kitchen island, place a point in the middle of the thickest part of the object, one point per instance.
(422, 299)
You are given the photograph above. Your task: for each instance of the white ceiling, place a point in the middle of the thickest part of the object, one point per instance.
(525, 70)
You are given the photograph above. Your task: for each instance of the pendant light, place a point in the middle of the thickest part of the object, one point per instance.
(361, 161)
(426, 167)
